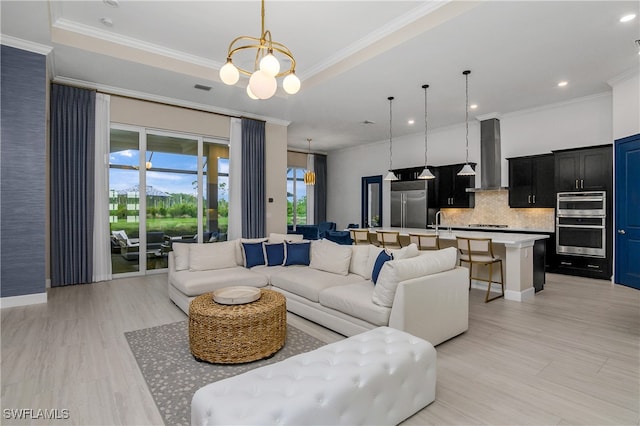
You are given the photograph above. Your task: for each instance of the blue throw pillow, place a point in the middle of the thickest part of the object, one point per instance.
(297, 254)
(253, 254)
(274, 253)
(382, 257)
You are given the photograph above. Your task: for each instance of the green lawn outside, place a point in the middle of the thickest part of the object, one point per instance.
(172, 226)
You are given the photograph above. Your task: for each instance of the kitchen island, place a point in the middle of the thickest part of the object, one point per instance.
(515, 249)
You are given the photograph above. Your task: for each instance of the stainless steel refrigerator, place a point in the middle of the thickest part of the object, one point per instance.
(410, 204)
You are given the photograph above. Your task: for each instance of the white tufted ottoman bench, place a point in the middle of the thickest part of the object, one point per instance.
(381, 376)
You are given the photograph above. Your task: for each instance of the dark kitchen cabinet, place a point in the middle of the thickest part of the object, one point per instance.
(584, 169)
(451, 189)
(531, 181)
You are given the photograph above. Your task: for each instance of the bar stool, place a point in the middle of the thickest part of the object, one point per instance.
(425, 241)
(479, 251)
(389, 238)
(360, 236)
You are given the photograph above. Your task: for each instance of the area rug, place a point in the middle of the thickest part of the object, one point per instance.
(173, 375)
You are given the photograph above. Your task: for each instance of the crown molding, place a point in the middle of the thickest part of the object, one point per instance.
(630, 73)
(559, 104)
(489, 116)
(166, 100)
(88, 31)
(30, 46)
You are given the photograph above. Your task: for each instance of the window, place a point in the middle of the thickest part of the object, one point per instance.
(157, 184)
(296, 197)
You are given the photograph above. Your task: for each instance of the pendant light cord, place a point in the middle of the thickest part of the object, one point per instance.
(466, 112)
(390, 134)
(425, 124)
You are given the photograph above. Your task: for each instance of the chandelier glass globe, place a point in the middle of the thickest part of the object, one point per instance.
(229, 74)
(262, 84)
(291, 84)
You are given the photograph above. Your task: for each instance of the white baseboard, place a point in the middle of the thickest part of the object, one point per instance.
(520, 296)
(517, 296)
(27, 299)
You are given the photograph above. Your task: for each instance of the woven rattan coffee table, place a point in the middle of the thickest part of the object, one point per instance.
(232, 334)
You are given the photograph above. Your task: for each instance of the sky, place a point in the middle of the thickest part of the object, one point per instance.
(174, 183)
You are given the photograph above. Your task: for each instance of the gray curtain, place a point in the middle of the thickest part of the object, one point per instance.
(320, 188)
(253, 176)
(72, 180)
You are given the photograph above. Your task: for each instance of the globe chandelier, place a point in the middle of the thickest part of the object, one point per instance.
(266, 67)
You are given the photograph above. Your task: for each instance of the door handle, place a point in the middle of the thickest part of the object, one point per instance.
(534, 199)
(621, 231)
(529, 199)
(577, 187)
(581, 183)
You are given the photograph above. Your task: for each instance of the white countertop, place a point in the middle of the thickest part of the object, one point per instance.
(497, 229)
(506, 238)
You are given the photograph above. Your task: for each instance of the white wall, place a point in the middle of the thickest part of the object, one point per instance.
(276, 178)
(626, 105)
(581, 122)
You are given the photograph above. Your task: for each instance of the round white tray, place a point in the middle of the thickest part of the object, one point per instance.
(237, 295)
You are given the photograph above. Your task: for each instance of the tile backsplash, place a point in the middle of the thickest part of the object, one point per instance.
(492, 207)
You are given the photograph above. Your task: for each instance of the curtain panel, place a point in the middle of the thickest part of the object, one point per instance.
(253, 179)
(101, 234)
(320, 188)
(72, 184)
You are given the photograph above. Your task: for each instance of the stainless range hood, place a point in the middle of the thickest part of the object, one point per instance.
(490, 156)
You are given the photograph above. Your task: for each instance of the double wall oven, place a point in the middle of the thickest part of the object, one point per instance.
(581, 223)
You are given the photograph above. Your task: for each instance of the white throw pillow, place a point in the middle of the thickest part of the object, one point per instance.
(181, 256)
(359, 258)
(204, 257)
(395, 271)
(238, 247)
(405, 252)
(281, 238)
(371, 260)
(331, 257)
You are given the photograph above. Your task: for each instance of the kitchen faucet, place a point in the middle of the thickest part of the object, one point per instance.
(438, 219)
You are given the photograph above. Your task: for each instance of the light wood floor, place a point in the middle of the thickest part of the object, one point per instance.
(571, 356)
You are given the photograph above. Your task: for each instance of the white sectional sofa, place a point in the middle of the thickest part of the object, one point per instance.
(422, 293)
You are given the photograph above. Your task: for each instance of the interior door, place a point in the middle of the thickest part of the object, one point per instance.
(627, 199)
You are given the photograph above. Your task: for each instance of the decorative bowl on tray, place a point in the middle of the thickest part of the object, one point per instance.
(236, 295)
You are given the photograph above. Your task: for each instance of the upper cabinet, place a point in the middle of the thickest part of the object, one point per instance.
(531, 181)
(586, 169)
(452, 189)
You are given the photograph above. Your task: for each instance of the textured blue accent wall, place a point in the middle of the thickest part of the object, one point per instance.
(22, 172)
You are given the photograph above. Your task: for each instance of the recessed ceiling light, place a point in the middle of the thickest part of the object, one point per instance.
(473, 106)
(410, 121)
(112, 3)
(627, 18)
(107, 22)
(563, 83)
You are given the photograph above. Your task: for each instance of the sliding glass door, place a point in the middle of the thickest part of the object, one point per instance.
(124, 199)
(177, 196)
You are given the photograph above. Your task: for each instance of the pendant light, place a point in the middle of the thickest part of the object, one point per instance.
(426, 173)
(467, 170)
(390, 175)
(309, 175)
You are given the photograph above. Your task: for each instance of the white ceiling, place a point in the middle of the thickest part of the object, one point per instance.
(350, 56)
